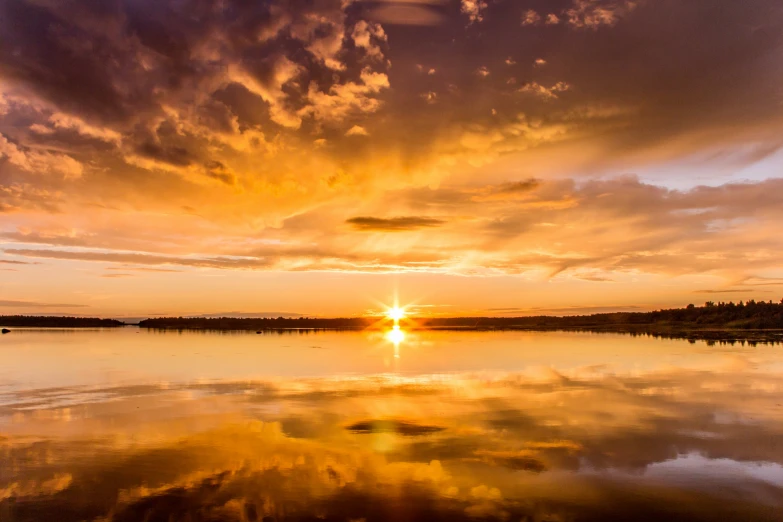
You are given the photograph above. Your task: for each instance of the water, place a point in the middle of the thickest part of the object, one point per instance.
(137, 425)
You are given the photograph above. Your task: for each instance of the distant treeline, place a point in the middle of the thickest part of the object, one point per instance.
(750, 315)
(742, 315)
(257, 323)
(33, 321)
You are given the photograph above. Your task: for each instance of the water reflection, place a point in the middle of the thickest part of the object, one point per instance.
(396, 335)
(572, 429)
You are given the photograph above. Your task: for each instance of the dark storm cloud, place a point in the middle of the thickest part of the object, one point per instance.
(394, 224)
(152, 75)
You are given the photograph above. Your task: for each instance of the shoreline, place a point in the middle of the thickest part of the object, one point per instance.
(714, 334)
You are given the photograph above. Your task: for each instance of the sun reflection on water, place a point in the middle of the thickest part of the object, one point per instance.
(396, 335)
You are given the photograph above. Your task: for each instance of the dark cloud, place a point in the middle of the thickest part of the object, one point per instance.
(155, 81)
(220, 172)
(400, 427)
(174, 155)
(395, 224)
(518, 186)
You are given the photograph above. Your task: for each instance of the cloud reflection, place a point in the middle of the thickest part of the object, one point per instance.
(580, 444)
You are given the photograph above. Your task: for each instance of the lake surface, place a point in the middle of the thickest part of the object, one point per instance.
(138, 425)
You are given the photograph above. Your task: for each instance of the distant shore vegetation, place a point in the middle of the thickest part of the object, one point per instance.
(45, 321)
(748, 315)
(743, 315)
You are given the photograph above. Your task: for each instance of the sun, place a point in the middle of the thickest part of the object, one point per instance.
(395, 313)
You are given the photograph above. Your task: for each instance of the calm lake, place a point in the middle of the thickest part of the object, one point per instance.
(138, 425)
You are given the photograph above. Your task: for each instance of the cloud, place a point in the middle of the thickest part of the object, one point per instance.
(5, 303)
(517, 186)
(344, 99)
(430, 97)
(19, 197)
(566, 229)
(369, 36)
(399, 427)
(59, 122)
(15, 262)
(142, 259)
(584, 14)
(592, 14)
(143, 269)
(473, 9)
(395, 224)
(552, 19)
(357, 130)
(547, 93)
(220, 172)
(530, 17)
(39, 162)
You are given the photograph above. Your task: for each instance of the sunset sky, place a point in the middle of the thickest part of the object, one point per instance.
(475, 157)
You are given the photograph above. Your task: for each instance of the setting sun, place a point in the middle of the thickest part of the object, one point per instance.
(396, 313)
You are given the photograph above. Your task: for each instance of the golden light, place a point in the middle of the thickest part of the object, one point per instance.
(395, 335)
(396, 313)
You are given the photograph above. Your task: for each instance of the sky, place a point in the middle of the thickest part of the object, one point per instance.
(319, 157)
